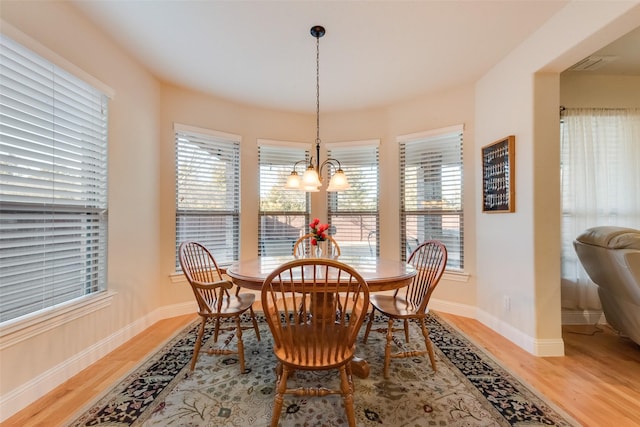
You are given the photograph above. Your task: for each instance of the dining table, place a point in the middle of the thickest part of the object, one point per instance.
(381, 274)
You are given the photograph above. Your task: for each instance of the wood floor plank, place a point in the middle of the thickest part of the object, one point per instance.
(597, 381)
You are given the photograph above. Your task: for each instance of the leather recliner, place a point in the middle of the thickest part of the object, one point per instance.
(611, 257)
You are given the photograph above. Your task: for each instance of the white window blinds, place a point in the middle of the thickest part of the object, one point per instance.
(431, 192)
(353, 214)
(283, 214)
(53, 184)
(208, 191)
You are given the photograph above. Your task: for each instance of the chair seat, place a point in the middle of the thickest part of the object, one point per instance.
(430, 260)
(397, 306)
(314, 323)
(302, 355)
(233, 305)
(215, 302)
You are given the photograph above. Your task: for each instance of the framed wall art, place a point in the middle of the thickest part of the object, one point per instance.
(498, 175)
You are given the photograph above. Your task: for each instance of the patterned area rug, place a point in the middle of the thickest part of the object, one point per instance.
(469, 389)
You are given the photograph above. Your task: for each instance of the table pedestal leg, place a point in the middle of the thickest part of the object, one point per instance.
(359, 367)
(322, 309)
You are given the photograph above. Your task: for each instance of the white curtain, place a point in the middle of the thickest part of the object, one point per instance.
(600, 170)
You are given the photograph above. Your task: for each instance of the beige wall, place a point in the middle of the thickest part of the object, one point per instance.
(518, 254)
(507, 254)
(586, 90)
(142, 193)
(447, 108)
(39, 362)
(194, 109)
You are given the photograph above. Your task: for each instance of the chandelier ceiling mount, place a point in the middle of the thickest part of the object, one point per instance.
(311, 180)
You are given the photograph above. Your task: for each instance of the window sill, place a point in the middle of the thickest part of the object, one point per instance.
(16, 330)
(177, 278)
(456, 276)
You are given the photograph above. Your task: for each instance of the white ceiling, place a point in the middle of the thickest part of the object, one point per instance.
(374, 53)
(621, 57)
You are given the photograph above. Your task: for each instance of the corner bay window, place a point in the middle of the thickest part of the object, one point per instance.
(353, 214)
(208, 191)
(53, 184)
(431, 191)
(284, 214)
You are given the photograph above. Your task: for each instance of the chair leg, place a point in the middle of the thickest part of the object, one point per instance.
(216, 330)
(255, 323)
(406, 331)
(369, 324)
(198, 344)
(350, 376)
(281, 387)
(429, 344)
(387, 348)
(240, 344)
(347, 393)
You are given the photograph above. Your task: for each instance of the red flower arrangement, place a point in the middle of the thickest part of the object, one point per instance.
(319, 231)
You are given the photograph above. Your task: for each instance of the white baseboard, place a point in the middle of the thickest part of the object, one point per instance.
(537, 347)
(463, 310)
(26, 394)
(549, 347)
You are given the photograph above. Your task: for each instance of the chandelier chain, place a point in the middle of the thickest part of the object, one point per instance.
(311, 181)
(317, 90)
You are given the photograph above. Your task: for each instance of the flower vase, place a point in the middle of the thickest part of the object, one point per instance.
(322, 249)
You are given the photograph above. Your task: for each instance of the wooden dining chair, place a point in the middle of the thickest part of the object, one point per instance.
(411, 302)
(302, 246)
(214, 300)
(315, 308)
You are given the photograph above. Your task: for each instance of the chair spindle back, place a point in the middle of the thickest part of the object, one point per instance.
(302, 246)
(199, 265)
(429, 260)
(314, 308)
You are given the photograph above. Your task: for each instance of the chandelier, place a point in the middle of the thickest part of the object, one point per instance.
(311, 180)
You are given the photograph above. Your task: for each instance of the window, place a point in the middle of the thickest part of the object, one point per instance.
(431, 192)
(284, 214)
(353, 214)
(208, 191)
(53, 184)
(600, 185)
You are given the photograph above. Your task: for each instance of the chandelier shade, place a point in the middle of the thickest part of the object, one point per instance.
(311, 180)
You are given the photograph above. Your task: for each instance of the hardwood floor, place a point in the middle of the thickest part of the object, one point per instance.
(62, 403)
(597, 382)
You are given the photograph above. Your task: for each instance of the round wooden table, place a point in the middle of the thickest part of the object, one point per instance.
(381, 275)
